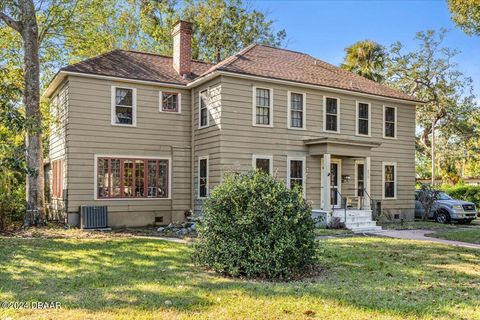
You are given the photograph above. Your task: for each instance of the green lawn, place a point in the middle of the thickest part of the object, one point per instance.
(332, 232)
(420, 224)
(126, 278)
(471, 235)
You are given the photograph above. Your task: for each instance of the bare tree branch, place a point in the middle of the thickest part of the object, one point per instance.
(16, 25)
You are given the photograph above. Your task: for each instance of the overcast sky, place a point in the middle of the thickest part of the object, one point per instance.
(324, 28)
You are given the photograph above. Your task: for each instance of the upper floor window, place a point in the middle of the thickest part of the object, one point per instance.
(296, 110)
(296, 173)
(203, 109)
(263, 163)
(203, 177)
(132, 178)
(263, 113)
(170, 101)
(389, 180)
(390, 119)
(363, 118)
(331, 112)
(123, 106)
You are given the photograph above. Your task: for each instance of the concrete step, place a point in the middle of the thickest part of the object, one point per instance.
(358, 219)
(366, 224)
(367, 230)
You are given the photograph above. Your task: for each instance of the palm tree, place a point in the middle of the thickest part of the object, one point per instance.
(366, 58)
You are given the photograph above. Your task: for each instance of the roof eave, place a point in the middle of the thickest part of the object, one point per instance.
(216, 73)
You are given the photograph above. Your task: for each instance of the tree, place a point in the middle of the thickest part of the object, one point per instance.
(21, 17)
(431, 75)
(38, 37)
(427, 196)
(366, 58)
(466, 15)
(221, 27)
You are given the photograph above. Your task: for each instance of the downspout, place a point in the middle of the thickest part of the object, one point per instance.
(192, 153)
(171, 184)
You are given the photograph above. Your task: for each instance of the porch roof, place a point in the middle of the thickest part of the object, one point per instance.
(350, 146)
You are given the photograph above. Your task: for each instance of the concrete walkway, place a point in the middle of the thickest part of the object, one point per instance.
(420, 235)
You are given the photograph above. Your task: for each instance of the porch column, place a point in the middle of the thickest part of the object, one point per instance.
(366, 175)
(326, 182)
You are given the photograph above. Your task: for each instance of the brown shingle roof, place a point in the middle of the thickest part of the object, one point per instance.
(270, 62)
(256, 60)
(136, 65)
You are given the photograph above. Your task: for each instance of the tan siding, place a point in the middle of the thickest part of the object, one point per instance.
(240, 139)
(207, 140)
(157, 134)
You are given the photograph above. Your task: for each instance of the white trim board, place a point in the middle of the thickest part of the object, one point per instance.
(62, 74)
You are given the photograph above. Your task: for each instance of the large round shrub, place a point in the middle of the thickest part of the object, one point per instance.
(254, 226)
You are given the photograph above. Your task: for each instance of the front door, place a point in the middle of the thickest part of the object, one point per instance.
(335, 183)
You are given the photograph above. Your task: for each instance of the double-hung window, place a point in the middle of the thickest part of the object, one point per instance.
(331, 113)
(170, 102)
(132, 178)
(203, 109)
(389, 180)
(389, 124)
(363, 118)
(263, 163)
(203, 177)
(296, 173)
(123, 106)
(296, 110)
(263, 102)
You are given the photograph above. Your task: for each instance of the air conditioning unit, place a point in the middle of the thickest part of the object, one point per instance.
(93, 217)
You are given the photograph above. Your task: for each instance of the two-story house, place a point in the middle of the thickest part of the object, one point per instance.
(149, 135)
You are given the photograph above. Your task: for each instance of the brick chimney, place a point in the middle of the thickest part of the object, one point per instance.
(182, 47)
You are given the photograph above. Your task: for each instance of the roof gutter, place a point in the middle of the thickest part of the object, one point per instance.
(62, 74)
(214, 74)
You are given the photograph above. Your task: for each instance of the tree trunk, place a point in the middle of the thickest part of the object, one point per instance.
(35, 191)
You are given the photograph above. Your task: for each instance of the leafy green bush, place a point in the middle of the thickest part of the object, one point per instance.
(464, 192)
(12, 199)
(254, 226)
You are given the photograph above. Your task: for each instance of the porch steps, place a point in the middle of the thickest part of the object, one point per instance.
(359, 221)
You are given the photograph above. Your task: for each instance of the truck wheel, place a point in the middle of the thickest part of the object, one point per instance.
(442, 217)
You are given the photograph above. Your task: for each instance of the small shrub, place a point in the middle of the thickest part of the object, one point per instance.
(254, 226)
(336, 223)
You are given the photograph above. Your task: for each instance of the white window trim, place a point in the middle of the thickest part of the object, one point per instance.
(179, 102)
(394, 164)
(396, 122)
(95, 174)
(207, 107)
(357, 162)
(357, 118)
(304, 167)
(262, 156)
(254, 108)
(134, 107)
(198, 176)
(325, 114)
(289, 110)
